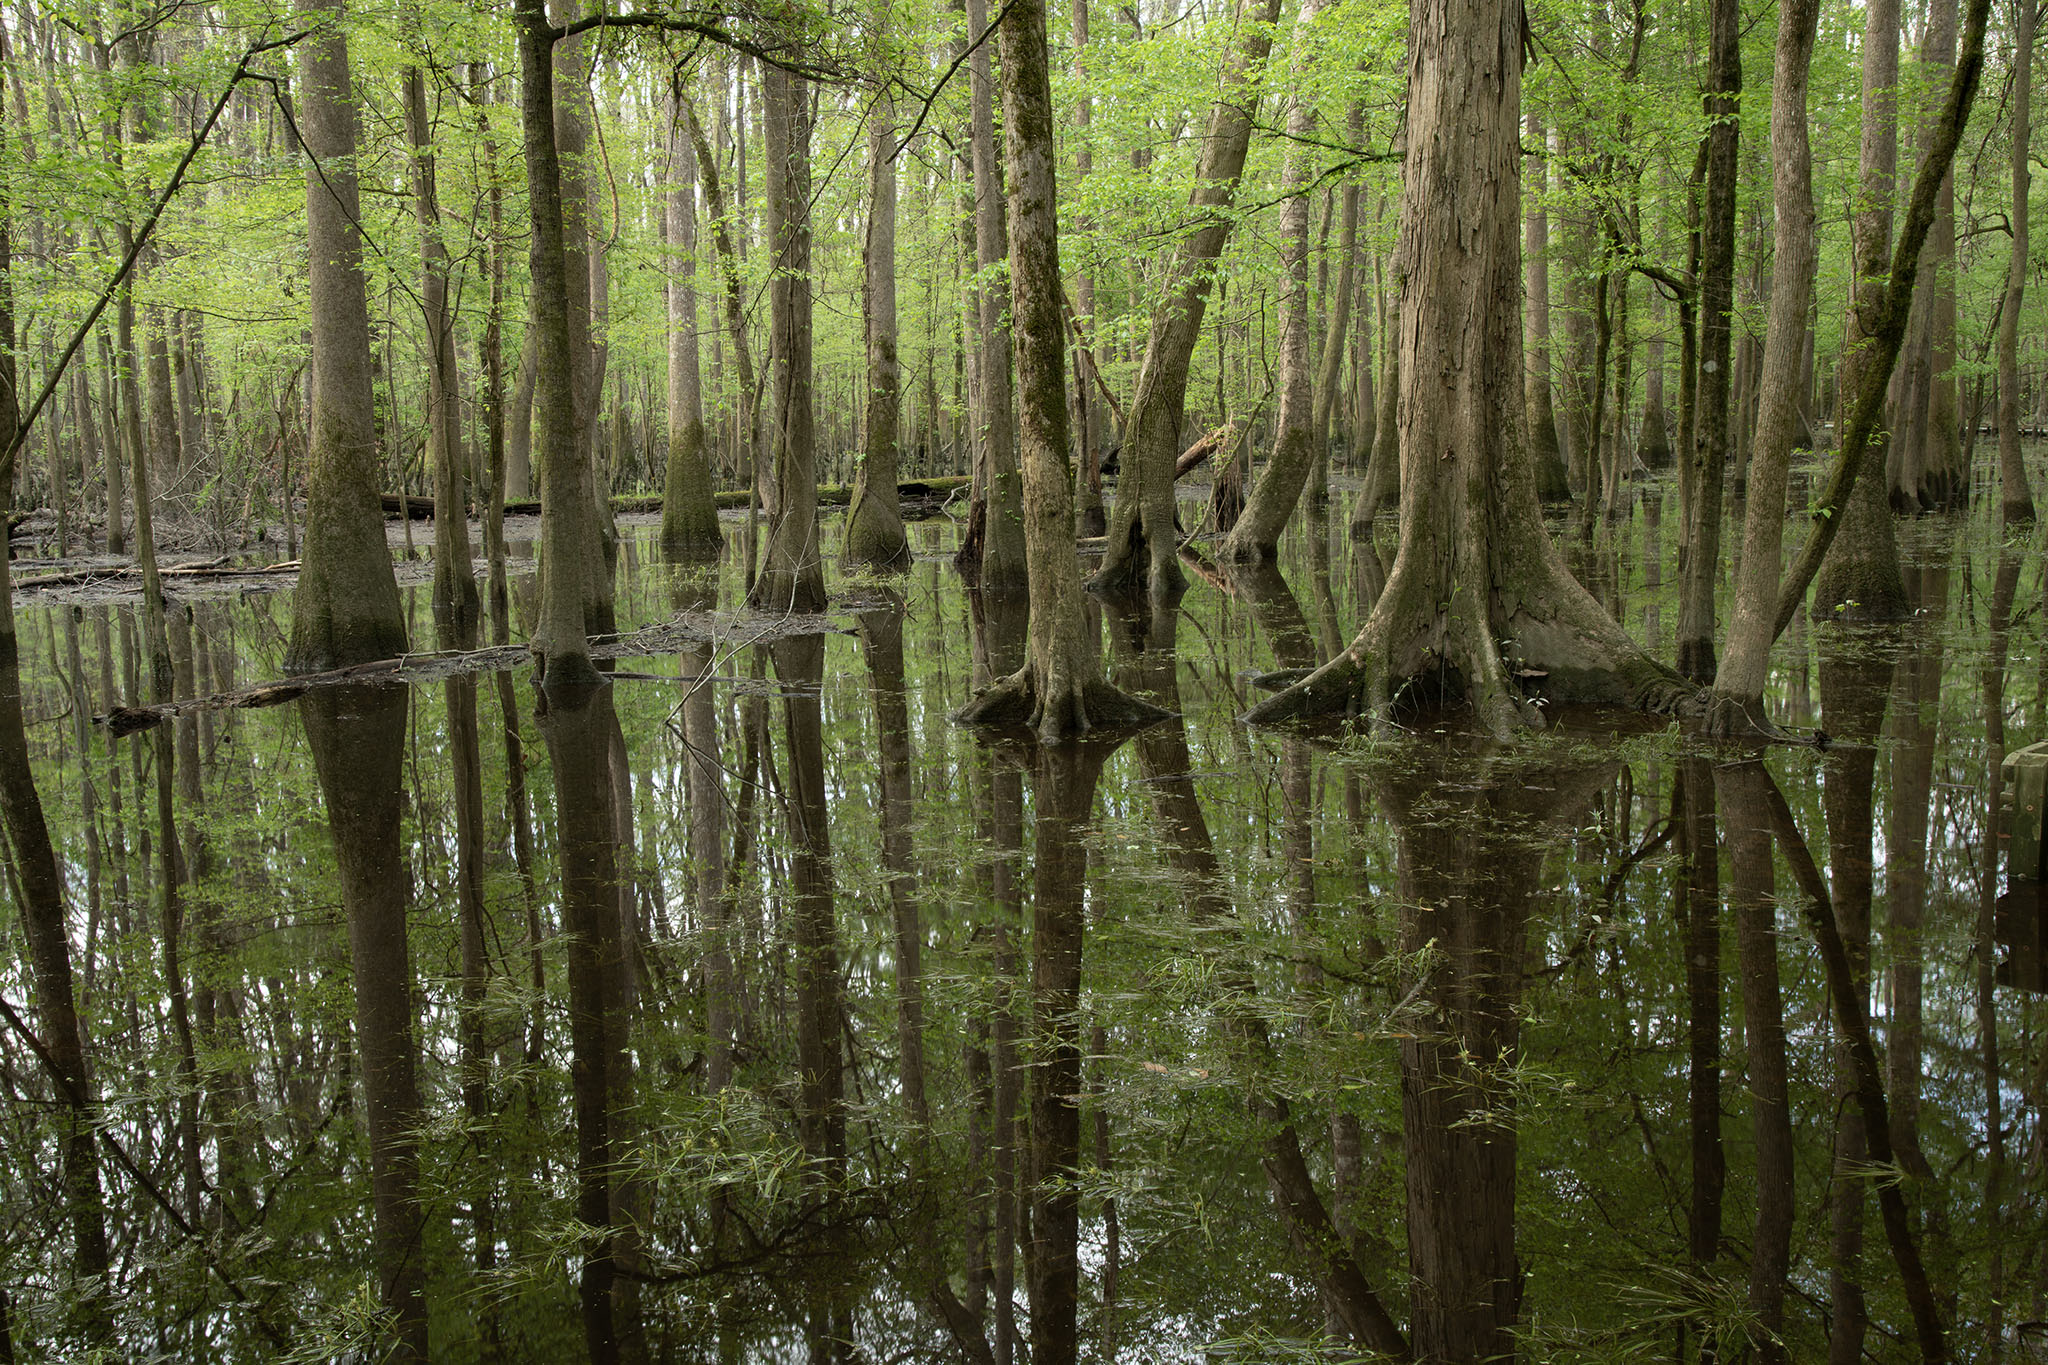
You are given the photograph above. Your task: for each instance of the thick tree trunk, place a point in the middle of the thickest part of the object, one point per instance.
(1931, 473)
(1709, 452)
(793, 570)
(1737, 704)
(1142, 551)
(1256, 536)
(1059, 692)
(874, 519)
(1474, 566)
(689, 515)
(346, 608)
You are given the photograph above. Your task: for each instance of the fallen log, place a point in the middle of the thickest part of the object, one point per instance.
(920, 497)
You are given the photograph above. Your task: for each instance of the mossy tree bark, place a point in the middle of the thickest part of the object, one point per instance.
(1256, 536)
(346, 608)
(1860, 576)
(874, 518)
(793, 571)
(1059, 692)
(1737, 702)
(1927, 465)
(1143, 550)
(575, 589)
(1477, 590)
(455, 595)
(689, 514)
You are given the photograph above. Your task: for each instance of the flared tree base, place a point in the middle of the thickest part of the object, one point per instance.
(1056, 713)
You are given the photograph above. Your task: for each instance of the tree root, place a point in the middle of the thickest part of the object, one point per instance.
(1056, 715)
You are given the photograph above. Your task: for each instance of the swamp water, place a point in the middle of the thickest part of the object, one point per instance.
(1197, 1045)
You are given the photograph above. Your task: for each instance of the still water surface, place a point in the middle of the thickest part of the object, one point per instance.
(1206, 1043)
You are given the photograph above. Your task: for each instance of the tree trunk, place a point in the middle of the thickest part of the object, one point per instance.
(575, 590)
(1475, 566)
(2016, 501)
(455, 596)
(874, 516)
(1256, 536)
(1059, 692)
(1553, 483)
(1737, 703)
(793, 571)
(1143, 547)
(689, 515)
(1859, 578)
(1709, 454)
(345, 609)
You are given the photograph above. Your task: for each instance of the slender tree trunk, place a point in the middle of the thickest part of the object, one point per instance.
(1143, 546)
(874, 516)
(2016, 501)
(1737, 703)
(689, 513)
(1552, 482)
(1709, 454)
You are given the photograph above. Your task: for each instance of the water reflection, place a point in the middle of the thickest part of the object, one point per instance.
(757, 1013)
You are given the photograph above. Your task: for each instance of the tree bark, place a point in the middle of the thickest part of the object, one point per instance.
(2016, 501)
(689, 515)
(345, 609)
(1737, 702)
(1142, 550)
(874, 517)
(1475, 566)
(792, 572)
(1059, 692)
(1553, 484)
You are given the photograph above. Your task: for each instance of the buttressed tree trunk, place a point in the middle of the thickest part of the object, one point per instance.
(793, 571)
(1738, 696)
(689, 513)
(1256, 536)
(874, 518)
(571, 603)
(346, 608)
(1477, 590)
(1860, 575)
(1143, 547)
(1060, 691)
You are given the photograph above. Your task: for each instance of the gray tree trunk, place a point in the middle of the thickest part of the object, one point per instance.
(874, 516)
(689, 512)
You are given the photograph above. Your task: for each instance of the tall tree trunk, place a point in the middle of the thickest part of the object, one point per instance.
(1709, 453)
(1256, 536)
(793, 571)
(1553, 484)
(455, 595)
(1060, 691)
(345, 609)
(2016, 501)
(1737, 703)
(689, 513)
(1143, 547)
(874, 516)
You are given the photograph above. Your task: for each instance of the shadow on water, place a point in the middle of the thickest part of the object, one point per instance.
(741, 1007)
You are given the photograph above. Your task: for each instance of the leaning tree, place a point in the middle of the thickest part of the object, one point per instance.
(1478, 599)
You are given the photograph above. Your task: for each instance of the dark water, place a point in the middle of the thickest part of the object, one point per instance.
(1206, 1044)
